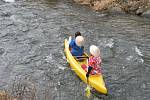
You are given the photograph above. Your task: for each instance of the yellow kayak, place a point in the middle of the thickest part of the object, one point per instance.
(95, 81)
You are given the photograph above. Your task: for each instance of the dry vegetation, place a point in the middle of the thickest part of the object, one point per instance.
(5, 96)
(128, 6)
(19, 91)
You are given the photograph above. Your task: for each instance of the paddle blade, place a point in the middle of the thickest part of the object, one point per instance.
(88, 91)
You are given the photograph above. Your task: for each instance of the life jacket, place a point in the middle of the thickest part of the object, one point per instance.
(95, 63)
(76, 50)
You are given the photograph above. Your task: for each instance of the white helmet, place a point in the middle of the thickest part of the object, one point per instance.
(94, 50)
(79, 41)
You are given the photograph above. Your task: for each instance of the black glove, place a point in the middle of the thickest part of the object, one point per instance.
(89, 70)
(87, 75)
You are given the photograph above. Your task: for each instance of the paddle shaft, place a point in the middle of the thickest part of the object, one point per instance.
(87, 77)
(81, 57)
(67, 33)
(88, 89)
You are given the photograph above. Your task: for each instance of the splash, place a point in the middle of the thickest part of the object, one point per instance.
(61, 67)
(129, 58)
(138, 51)
(49, 58)
(110, 43)
(9, 0)
(88, 91)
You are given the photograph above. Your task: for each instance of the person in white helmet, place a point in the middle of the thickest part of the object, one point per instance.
(76, 45)
(94, 61)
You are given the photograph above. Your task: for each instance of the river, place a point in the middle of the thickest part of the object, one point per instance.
(32, 60)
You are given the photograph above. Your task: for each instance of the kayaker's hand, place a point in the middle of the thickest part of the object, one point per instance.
(89, 70)
(87, 75)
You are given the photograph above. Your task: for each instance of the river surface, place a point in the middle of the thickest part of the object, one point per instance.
(32, 60)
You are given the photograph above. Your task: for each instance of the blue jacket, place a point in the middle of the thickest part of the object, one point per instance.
(76, 50)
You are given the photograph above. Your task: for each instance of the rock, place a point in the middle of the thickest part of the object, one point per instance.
(147, 13)
(83, 1)
(139, 12)
(86, 2)
(102, 5)
(128, 6)
(115, 9)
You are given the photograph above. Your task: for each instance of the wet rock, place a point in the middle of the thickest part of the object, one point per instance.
(103, 5)
(98, 5)
(147, 13)
(139, 12)
(83, 1)
(137, 7)
(129, 6)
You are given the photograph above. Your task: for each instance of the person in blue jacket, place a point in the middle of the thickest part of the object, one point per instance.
(76, 45)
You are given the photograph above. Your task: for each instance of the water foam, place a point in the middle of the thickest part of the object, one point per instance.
(138, 51)
(110, 43)
(9, 0)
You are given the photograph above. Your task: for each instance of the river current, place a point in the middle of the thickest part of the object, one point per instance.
(32, 60)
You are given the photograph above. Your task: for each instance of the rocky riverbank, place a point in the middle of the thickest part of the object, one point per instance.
(137, 7)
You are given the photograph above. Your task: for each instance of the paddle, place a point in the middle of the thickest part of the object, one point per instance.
(81, 57)
(88, 88)
(67, 34)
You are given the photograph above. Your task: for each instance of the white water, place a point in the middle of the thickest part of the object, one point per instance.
(110, 43)
(129, 58)
(138, 51)
(9, 0)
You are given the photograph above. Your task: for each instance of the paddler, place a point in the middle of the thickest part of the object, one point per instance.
(76, 45)
(94, 62)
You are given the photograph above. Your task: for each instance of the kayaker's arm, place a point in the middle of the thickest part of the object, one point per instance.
(89, 70)
(71, 44)
(69, 40)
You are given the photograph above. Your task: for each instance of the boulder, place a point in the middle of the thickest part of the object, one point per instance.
(147, 13)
